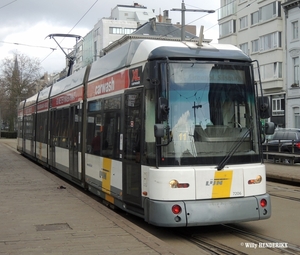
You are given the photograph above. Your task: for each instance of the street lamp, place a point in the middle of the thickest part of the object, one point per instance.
(183, 10)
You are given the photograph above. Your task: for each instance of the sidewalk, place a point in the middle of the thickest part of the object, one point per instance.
(38, 217)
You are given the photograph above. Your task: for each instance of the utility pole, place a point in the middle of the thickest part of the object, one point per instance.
(183, 10)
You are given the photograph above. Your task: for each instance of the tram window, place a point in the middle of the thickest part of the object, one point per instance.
(111, 127)
(111, 134)
(94, 128)
(42, 127)
(20, 127)
(149, 124)
(29, 129)
(60, 132)
(94, 133)
(103, 127)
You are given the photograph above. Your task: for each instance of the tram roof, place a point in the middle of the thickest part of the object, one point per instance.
(135, 51)
(207, 51)
(31, 100)
(44, 94)
(68, 83)
(21, 104)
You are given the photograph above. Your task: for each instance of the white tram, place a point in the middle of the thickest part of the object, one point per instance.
(169, 131)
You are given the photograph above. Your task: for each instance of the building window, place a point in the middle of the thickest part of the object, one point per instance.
(255, 47)
(227, 28)
(128, 31)
(278, 104)
(269, 11)
(244, 22)
(270, 41)
(277, 69)
(271, 71)
(295, 30)
(254, 18)
(244, 48)
(228, 7)
(296, 111)
(95, 51)
(116, 30)
(296, 70)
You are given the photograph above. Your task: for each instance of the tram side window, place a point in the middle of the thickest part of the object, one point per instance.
(149, 126)
(61, 128)
(103, 127)
(94, 128)
(28, 129)
(111, 134)
(20, 127)
(111, 127)
(42, 127)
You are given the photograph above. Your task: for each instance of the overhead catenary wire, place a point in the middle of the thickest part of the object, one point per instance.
(1, 7)
(74, 26)
(28, 45)
(45, 47)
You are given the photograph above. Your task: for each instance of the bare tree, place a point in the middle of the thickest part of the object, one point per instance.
(19, 79)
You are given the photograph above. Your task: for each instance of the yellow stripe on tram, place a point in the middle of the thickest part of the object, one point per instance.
(222, 184)
(106, 175)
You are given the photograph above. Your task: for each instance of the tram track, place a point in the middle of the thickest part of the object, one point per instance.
(207, 244)
(262, 239)
(213, 247)
(277, 192)
(285, 197)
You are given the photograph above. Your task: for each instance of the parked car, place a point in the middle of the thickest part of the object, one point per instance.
(284, 140)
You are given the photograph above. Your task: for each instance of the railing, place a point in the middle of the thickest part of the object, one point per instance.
(280, 156)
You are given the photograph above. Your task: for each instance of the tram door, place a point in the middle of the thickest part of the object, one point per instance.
(74, 141)
(131, 147)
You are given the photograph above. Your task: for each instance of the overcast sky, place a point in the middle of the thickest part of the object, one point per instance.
(24, 24)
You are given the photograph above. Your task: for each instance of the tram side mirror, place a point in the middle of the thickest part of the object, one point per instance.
(159, 130)
(269, 128)
(264, 107)
(163, 109)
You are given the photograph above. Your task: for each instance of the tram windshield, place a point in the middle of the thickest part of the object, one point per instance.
(212, 114)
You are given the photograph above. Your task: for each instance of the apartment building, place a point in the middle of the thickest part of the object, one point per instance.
(124, 19)
(257, 27)
(292, 20)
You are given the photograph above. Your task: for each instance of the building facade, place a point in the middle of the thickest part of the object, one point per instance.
(257, 27)
(292, 20)
(124, 19)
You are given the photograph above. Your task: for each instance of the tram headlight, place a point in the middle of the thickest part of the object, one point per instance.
(257, 180)
(173, 184)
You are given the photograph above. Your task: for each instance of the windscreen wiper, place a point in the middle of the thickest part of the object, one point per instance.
(233, 150)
